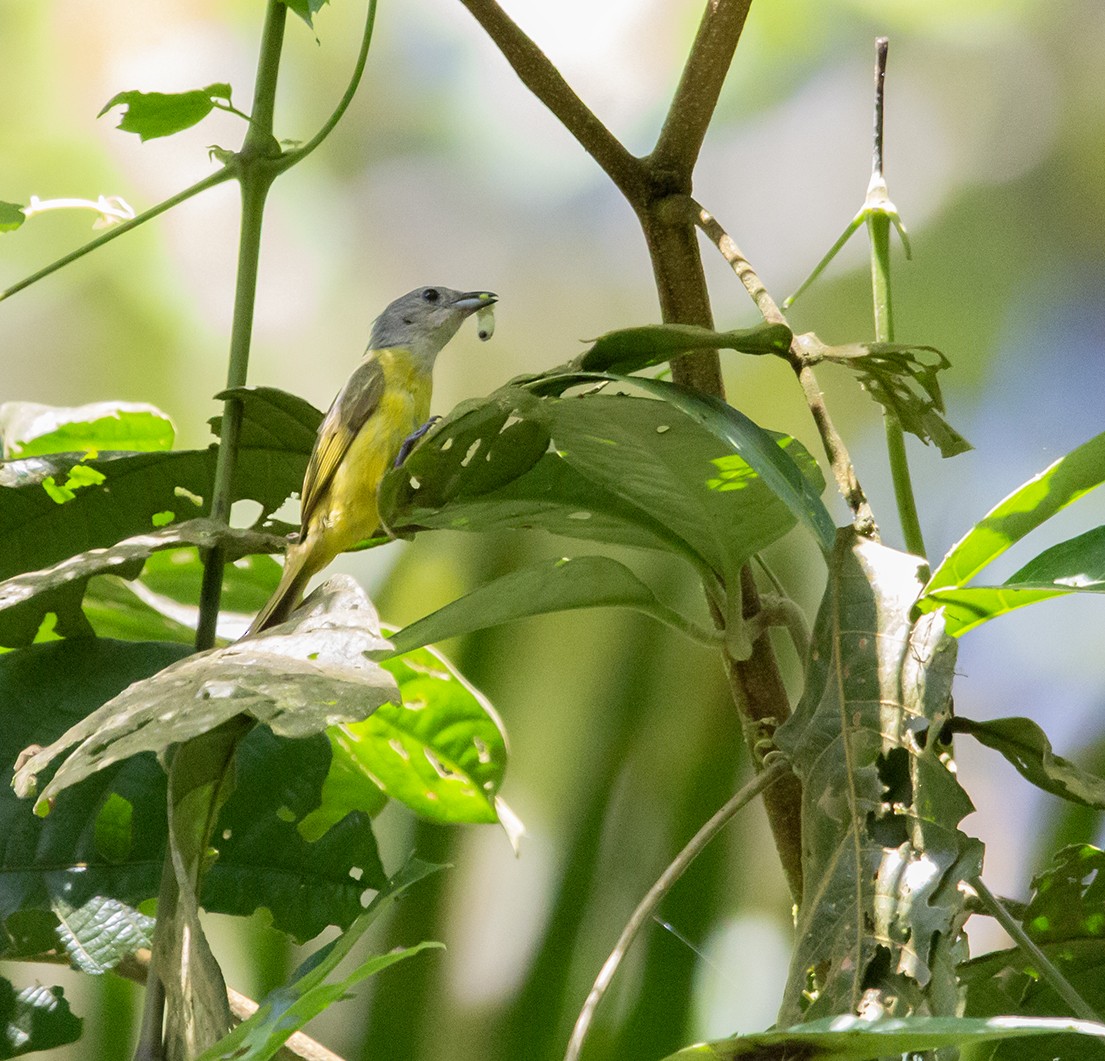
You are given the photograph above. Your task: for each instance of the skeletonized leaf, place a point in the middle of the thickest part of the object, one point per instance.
(903, 379)
(882, 859)
(297, 678)
(154, 114)
(1026, 746)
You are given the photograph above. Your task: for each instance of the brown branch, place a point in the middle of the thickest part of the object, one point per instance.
(696, 97)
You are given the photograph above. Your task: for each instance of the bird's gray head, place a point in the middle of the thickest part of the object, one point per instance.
(425, 319)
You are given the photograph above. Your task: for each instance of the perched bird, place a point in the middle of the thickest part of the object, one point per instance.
(383, 403)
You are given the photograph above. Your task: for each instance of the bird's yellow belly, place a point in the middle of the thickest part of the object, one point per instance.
(349, 513)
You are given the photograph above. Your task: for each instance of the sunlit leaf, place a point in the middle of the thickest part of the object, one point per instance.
(28, 429)
(442, 751)
(11, 216)
(101, 932)
(154, 114)
(1025, 509)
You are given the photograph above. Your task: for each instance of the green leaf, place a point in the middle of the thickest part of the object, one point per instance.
(441, 751)
(626, 470)
(82, 850)
(1005, 981)
(1073, 566)
(631, 349)
(28, 429)
(11, 216)
(36, 1018)
(154, 114)
(264, 859)
(1026, 746)
(561, 584)
(306, 9)
(127, 557)
(272, 419)
(846, 1038)
(289, 1008)
(1030, 505)
(902, 378)
(101, 932)
(248, 581)
(1069, 897)
(38, 532)
(882, 860)
(298, 678)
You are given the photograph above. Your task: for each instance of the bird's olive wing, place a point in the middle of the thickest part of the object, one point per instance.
(355, 403)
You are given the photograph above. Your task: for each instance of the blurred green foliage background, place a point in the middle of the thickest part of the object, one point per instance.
(447, 171)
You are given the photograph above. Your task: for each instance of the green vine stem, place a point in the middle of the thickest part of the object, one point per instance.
(1040, 961)
(772, 773)
(878, 230)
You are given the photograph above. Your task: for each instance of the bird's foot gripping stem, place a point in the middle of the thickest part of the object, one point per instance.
(412, 439)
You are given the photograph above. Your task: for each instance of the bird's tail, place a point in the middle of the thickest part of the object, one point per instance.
(287, 595)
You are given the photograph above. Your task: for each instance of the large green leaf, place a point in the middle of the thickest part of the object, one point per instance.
(289, 1008)
(442, 751)
(28, 429)
(263, 858)
(102, 846)
(857, 1039)
(105, 837)
(297, 678)
(1030, 505)
(631, 349)
(154, 114)
(36, 1018)
(52, 508)
(1026, 746)
(560, 584)
(625, 470)
(882, 859)
(1073, 566)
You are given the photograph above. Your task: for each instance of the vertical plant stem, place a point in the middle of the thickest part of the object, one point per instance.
(259, 150)
(878, 230)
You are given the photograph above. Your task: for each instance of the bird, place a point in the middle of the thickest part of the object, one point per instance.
(382, 405)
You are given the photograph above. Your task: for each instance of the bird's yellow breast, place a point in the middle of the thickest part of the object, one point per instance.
(348, 514)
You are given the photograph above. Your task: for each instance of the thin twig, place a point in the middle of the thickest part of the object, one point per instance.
(839, 459)
(542, 78)
(656, 893)
(1043, 965)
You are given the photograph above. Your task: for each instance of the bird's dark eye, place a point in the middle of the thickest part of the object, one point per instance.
(431, 294)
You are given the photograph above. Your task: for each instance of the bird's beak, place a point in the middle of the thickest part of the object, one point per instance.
(471, 301)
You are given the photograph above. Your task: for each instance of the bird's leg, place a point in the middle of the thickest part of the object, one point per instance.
(412, 438)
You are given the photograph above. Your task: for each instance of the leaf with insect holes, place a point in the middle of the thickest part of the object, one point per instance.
(903, 379)
(154, 114)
